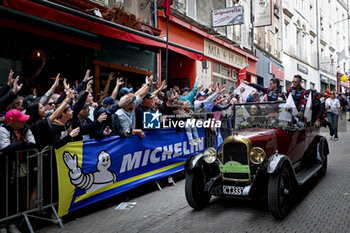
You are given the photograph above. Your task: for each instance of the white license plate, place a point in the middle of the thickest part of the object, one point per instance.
(232, 190)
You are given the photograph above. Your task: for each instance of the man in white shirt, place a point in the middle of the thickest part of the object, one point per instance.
(333, 111)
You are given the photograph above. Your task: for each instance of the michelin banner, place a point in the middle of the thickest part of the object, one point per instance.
(90, 171)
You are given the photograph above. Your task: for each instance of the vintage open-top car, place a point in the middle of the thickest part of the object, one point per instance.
(268, 153)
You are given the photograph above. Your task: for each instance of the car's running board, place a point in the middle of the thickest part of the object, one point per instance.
(305, 174)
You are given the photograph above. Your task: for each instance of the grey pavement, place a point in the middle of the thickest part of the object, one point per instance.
(323, 205)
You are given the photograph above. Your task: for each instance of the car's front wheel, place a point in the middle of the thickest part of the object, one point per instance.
(280, 193)
(196, 196)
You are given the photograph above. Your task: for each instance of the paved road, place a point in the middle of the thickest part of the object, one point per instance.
(323, 205)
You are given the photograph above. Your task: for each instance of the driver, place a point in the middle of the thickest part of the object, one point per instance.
(255, 115)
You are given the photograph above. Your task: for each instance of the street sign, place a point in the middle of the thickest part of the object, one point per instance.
(262, 13)
(228, 16)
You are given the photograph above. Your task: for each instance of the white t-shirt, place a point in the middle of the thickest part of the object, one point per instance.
(334, 104)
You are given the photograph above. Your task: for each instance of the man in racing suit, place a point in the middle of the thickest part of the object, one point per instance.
(273, 92)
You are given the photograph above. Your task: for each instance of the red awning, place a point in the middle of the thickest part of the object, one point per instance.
(81, 23)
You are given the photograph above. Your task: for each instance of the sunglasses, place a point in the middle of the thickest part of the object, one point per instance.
(332, 94)
(294, 81)
(52, 103)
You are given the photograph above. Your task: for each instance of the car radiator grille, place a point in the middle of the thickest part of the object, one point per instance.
(235, 152)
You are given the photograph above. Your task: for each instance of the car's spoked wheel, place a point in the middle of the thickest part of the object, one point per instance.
(280, 193)
(196, 197)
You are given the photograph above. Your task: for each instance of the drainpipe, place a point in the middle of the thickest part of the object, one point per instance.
(252, 30)
(155, 14)
(156, 54)
(318, 35)
(318, 43)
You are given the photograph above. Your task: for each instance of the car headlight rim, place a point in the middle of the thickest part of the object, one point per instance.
(257, 155)
(210, 155)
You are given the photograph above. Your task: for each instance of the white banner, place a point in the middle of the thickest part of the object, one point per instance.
(228, 16)
(262, 13)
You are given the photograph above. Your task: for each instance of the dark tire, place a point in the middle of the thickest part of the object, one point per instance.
(196, 197)
(280, 193)
(323, 169)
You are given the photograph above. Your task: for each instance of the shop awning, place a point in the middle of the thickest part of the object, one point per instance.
(89, 23)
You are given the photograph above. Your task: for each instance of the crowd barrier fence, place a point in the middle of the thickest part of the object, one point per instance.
(30, 180)
(29, 186)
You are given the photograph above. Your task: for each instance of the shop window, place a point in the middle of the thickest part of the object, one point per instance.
(216, 67)
(303, 83)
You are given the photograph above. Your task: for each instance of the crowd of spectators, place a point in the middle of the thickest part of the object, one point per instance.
(67, 113)
(72, 114)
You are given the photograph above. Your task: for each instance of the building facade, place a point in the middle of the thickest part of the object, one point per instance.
(226, 49)
(316, 42)
(268, 44)
(299, 21)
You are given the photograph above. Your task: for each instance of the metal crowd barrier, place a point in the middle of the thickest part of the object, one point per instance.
(29, 179)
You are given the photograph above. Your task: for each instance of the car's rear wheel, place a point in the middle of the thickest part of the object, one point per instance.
(280, 193)
(196, 197)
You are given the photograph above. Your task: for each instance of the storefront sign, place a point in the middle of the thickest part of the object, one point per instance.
(302, 69)
(274, 70)
(223, 55)
(263, 13)
(228, 16)
(324, 78)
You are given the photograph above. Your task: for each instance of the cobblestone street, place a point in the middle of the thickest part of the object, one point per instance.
(323, 205)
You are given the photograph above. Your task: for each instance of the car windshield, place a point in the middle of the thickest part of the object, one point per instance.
(262, 114)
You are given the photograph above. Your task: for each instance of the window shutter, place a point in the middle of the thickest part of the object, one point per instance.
(245, 26)
(191, 9)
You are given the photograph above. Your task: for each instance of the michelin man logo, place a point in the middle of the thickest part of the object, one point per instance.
(151, 120)
(90, 181)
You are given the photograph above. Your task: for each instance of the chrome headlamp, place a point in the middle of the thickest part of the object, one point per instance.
(210, 155)
(257, 155)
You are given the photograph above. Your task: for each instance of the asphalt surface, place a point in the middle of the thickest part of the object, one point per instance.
(323, 205)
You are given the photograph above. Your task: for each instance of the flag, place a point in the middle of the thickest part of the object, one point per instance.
(242, 75)
(166, 6)
(289, 110)
(308, 111)
(219, 141)
(342, 56)
(290, 103)
(344, 78)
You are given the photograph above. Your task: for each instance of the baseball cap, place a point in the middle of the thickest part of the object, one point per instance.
(124, 91)
(202, 94)
(29, 99)
(148, 96)
(15, 115)
(108, 100)
(183, 90)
